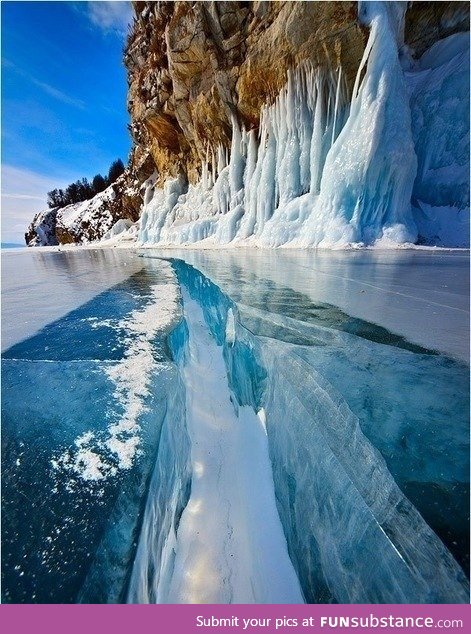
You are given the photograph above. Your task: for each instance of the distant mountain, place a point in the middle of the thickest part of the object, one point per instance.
(11, 245)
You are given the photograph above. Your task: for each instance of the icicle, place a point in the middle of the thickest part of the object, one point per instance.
(209, 173)
(237, 160)
(213, 166)
(288, 152)
(369, 171)
(317, 137)
(221, 160)
(337, 98)
(303, 126)
(206, 175)
(250, 187)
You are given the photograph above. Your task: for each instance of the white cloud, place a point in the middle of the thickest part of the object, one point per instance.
(24, 193)
(58, 94)
(110, 16)
(47, 88)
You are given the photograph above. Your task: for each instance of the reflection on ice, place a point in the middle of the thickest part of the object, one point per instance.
(276, 443)
(338, 502)
(420, 295)
(41, 286)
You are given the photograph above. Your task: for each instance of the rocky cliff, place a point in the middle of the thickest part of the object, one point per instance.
(94, 219)
(196, 67)
(193, 65)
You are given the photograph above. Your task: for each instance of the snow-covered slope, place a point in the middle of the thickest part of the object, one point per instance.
(109, 213)
(42, 230)
(90, 217)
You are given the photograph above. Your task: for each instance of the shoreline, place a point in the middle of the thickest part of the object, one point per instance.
(225, 247)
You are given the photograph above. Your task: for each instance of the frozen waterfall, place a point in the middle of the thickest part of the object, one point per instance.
(326, 169)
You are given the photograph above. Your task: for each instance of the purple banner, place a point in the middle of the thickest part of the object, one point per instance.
(194, 619)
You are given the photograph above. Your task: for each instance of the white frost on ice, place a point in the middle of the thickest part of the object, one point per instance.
(98, 455)
(230, 327)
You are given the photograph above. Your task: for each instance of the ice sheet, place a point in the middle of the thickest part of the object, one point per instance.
(338, 502)
(421, 295)
(330, 388)
(41, 286)
(83, 403)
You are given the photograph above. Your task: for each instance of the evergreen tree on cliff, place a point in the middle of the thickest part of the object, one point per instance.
(99, 183)
(84, 190)
(116, 169)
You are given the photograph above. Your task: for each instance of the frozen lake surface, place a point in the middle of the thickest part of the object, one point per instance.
(235, 426)
(40, 286)
(419, 294)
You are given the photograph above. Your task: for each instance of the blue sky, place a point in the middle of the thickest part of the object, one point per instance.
(63, 100)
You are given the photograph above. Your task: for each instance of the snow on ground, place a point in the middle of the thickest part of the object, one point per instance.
(73, 215)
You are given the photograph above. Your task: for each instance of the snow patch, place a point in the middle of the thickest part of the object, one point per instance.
(99, 455)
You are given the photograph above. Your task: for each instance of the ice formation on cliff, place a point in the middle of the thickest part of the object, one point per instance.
(323, 172)
(439, 88)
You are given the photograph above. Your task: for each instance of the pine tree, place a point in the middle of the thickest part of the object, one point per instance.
(116, 169)
(82, 189)
(53, 199)
(72, 193)
(98, 183)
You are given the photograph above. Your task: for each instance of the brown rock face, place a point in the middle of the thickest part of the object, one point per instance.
(192, 65)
